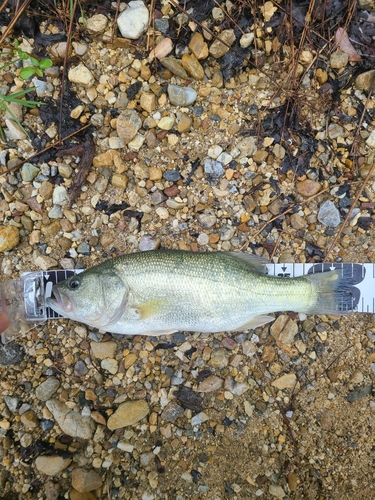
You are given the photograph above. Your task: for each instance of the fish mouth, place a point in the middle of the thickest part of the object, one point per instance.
(59, 302)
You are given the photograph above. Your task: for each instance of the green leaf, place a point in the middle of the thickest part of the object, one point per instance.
(39, 72)
(26, 73)
(34, 61)
(45, 63)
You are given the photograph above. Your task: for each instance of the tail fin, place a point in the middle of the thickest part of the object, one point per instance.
(334, 294)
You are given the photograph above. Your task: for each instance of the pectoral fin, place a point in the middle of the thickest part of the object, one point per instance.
(255, 322)
(151, 308)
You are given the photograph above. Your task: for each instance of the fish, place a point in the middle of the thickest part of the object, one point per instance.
(160, 292)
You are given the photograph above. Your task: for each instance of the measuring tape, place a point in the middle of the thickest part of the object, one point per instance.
(25, 298)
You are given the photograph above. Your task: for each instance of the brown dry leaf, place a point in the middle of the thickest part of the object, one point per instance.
(344, 44)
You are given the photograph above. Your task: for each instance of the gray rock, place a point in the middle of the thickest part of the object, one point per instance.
(12, 403)
(359, 393)
(181, 96)
(214, 168)
(84, 249)
(29, 172)
(47, 389)
(157, 197)
(133, 22)
(203, 239)
(149, 242)
(80, 368)
(171, 412)
(55, 212)
(40, 87)
(162, 25)
(71, 422)
(172, 175)
(60, 196)
(146, 458)
(11, 354)
(226, 232)
(207, 220)
(328, 214)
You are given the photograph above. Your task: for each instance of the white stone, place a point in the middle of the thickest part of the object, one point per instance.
(81, 75)
(370, 141)
(115, 143)
(14, 130)
(162, 212)
(246, 40)
(133, 22)
(137, 142)
(215, 151)
(97, 23)
(60, 196)
(225, 158)
(166, 123)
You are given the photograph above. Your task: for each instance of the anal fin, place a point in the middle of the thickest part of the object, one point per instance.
(255, 322)
(157, 333)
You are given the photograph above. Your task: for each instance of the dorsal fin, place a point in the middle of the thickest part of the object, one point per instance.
(256, 263)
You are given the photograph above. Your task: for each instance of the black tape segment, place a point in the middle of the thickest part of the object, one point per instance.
(352, 275)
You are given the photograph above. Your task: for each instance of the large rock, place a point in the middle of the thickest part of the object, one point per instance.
(128, 413)
(128, 124)
(71, 422)
(133, 22)
(86, 480)
(9, 238)
(52, 465)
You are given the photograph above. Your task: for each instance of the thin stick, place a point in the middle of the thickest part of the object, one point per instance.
(49, 147)
(338, 234)
(63, 76)
(361, 119)
(10, 26)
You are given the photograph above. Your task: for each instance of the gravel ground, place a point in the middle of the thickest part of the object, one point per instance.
(285, 411)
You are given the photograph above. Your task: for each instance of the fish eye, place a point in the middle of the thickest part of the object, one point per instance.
(74, 283)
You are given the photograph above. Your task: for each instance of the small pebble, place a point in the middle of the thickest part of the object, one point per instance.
(328, 214)
(181, 96)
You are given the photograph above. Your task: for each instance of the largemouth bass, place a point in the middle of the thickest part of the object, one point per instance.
(161, 292)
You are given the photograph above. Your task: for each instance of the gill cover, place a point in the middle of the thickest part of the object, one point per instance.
(115, 295)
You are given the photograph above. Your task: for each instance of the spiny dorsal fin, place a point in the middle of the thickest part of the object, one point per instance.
(256, 263)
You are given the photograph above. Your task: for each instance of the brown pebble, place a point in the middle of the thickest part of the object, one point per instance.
(214, 238)
(260, 156)
(308, 188)
(244, 228)
(297, 221)
(172, 191)
(268, 354)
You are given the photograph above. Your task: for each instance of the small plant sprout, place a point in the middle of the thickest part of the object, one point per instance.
(34, 67)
